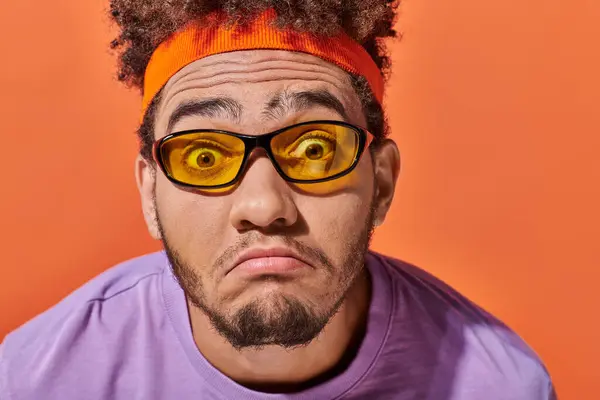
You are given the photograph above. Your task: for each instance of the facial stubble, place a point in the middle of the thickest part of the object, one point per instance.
(281, 320)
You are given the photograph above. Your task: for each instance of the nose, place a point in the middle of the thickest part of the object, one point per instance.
(262, 199)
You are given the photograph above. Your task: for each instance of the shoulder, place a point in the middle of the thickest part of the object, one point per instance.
(83, 322)
(481, 351)
(116, 285)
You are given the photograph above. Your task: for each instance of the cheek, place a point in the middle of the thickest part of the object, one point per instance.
(192, 223)
(335, 222)
(338, 217)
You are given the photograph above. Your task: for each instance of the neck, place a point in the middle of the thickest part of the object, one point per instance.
(273, 368)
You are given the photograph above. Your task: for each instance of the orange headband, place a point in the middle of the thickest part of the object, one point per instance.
(195, 42)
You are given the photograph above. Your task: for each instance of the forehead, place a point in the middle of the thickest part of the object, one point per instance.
(257, 80)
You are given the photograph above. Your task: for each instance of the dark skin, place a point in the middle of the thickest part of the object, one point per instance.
(263, 207)
(268, 209)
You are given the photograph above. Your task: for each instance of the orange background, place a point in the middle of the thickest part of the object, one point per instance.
(494, 105)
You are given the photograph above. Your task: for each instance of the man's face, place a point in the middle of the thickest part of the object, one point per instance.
(322, 229)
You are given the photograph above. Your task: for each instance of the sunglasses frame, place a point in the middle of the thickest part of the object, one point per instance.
(263, 141)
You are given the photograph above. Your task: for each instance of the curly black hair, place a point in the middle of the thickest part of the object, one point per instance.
(145, 24)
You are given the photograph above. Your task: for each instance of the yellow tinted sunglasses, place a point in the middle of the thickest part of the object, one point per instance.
(309, 152)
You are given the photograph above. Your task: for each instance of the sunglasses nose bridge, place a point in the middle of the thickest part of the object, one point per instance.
(263, 141)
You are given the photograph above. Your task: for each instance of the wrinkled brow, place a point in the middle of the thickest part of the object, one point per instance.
(211, 108)
(287, 102)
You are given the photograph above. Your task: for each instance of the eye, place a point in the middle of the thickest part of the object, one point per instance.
(314, 146)
(201, 158)
(202, 155)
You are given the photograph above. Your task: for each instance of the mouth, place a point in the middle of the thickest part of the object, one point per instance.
(268, 261)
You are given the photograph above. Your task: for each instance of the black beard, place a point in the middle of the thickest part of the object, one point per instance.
(285, 321)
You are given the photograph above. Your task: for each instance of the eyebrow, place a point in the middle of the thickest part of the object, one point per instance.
(287, 102)
(210, 108)
(282, 103)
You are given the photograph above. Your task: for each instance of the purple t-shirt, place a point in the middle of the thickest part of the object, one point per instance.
(125, 335)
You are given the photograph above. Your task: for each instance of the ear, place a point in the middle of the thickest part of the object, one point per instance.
(386, 169)
(145, 177)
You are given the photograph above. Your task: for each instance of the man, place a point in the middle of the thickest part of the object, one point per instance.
(263, 169)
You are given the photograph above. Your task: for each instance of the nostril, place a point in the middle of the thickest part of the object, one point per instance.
(281, 222)
(275, 226)
(246, 225)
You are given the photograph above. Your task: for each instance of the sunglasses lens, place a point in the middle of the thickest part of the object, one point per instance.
(202, 158)
(316, 151)
(307, 152)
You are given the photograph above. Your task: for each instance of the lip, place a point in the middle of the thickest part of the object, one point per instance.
(260, 255)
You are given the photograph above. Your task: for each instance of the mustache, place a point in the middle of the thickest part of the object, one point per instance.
(250, 239)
